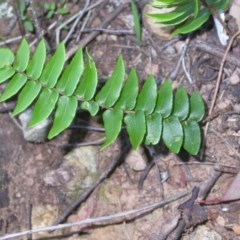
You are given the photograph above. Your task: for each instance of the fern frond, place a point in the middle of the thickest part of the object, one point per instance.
(56, 90)
(186, 16)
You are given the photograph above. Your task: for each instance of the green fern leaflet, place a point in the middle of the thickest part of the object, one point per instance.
(56, 89)
(186, 16)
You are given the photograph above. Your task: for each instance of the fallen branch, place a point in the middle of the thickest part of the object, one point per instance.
(105, 220)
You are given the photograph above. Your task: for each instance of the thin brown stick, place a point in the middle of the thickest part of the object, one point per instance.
(221, 70)
(94, 34)
(104, 220)
(89, 190)
(219, 80)
(37, 25)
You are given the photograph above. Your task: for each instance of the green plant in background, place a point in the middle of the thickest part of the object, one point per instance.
(52, 9)
(150, 114)
(187, 16)
(136, 22)
(27, 23)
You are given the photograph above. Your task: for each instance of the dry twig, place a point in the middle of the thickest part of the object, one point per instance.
(105, 220)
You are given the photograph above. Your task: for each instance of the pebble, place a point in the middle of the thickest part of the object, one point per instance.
(235, 78)
(135, 160)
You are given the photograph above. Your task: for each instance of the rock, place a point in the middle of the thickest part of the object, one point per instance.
(135, 160)
(152, 69)
(235, 78)
(204, 233)
(78, 171)
(43, 216)
(34, 134)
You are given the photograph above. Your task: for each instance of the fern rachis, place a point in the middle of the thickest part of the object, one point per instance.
(52, 88)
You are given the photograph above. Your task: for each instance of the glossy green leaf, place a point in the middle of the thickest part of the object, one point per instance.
(172, 134)
(22, 56)
(179, 19)
(181, 104)
(44, 106)
(221, 4)
(147, 98)
(136, 21)
(54, 67)
(129, 92)
(14, 86)
(194, 23)
(164, 103)
(65, 113)
(110, 92)
(170, 3)
(5, 74)
(71, 75)
(92, 107)
(196, 8)
(88, 83)
(27, 96)
(197, 107)
(34, 68)
(136, 127)
(7, 57)
(154, 129)
(173, 15)
(112, 123)
(192, 137)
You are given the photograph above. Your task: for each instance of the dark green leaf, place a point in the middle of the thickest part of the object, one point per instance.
(28, 25)
(44, 106)
(147, 98)
(65, 113)
(27, 96)
(196, 8)
(22, 56)
(13, 87)
(181, 104)
(112, 123)
(194, 23)
(136, 127)
(34, 69)
(5, 74)
(154, 128)
(88, 83)
(7, 57)
(165, 99)
(22, 7)
(92, 107)
(177, 13)
(53, 68)
(50, 14)
(63, 11)
(136, 21)
(71, 76)
(192, 137)
(129, 92)
(197, 108)
(172, 134)
(110, 92)
(221, 4)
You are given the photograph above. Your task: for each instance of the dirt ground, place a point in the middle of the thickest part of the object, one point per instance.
(38, 182)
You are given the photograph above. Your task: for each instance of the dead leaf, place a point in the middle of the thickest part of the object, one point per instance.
(233, 192)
